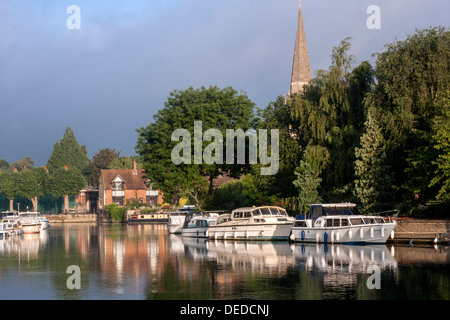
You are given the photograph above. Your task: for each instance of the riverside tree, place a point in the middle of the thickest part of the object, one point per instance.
(373, 183)
(31, 184)
(66, 181)
(216, 108)
(9, 186)
(329, 117)
(67, 151)
(412, 77)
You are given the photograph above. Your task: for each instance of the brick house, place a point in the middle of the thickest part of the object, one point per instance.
(126, 185)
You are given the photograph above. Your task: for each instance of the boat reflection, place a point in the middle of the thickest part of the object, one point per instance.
(25, 245)
(282, 255)
(343, 258)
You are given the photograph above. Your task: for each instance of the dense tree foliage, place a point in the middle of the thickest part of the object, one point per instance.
(216, 108)
(68, 152)
(64, 182)
(373, 183)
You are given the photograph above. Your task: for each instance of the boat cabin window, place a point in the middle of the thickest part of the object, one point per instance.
(318, 223)
(334, 211)
(356, 221)
(265, 211)
(300, 223)
(369, 220)
(242, 214)
(201, 223)
(333, 223)
(344, 222)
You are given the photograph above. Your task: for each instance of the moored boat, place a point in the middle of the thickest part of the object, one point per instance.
(177, 218)
(29, 222)
(196, 224)
(341, 223)
(10, 227)
(152, 217)
(253, 223)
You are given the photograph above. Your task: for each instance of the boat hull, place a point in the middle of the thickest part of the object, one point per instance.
(376, 233)
(149, 218)
(31, 228)
(174, 228)
(259, 232)
(194, 232)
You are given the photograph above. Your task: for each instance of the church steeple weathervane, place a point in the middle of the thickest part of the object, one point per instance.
(301, 71)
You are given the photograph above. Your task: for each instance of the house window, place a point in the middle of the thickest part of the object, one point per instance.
(152, 197)
(118, 193)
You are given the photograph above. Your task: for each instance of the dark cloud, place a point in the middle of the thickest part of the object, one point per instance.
(110, 77)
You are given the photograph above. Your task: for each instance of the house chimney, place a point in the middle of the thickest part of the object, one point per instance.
(134, 168)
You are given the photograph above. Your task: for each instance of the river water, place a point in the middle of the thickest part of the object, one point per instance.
(144, 262)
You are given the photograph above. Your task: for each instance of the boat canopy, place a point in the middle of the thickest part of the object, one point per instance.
(317, 210)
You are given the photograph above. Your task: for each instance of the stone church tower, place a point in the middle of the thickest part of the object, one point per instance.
(301, 71)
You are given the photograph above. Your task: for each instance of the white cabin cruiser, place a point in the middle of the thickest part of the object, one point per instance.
(196, 224)
(341, 223)
(177, 218)
(10, 227)
(253, 223)
(30, 222)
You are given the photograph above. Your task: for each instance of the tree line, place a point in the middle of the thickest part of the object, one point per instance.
(67, 172)
(376, 135)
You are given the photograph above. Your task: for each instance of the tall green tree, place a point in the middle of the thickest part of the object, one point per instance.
(441, 144)
(373, 184)
(9, 186)
(277, 116)
(307, 184)
(67, 151)
(330, 117)
(64, 182)
(216, 108)
(32, 184)
(412, 75)
(101, 160)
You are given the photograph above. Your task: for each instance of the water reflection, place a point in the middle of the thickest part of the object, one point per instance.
(145, 262)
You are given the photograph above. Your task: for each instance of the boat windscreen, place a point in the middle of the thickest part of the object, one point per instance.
(334, 211)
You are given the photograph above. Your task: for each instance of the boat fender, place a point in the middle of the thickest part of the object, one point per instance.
(325, 237)
(303, 235)
(382, 232)
(371, 232)
(292, 237)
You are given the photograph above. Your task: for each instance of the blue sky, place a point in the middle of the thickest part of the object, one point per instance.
(111, 76)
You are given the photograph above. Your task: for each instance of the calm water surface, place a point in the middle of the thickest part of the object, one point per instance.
(145, 262)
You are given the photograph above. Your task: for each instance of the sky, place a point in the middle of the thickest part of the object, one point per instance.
(108, 76)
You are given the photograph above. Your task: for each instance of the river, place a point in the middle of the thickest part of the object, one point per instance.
(144, 262)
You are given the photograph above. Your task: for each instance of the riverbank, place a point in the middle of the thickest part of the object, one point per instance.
(72, 218)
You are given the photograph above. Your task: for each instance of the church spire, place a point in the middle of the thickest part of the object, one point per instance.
(301, 71)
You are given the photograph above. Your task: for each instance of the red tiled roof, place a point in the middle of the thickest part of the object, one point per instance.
(131, 182)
